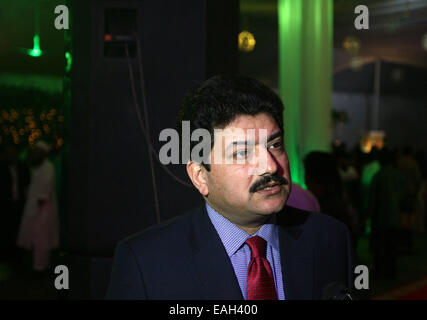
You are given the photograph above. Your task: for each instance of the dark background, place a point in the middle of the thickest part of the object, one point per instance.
(107, 190)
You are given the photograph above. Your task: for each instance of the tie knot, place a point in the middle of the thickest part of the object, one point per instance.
(257, 246)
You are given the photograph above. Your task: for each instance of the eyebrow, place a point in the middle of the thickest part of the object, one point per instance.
(245, 142)
(274, 136)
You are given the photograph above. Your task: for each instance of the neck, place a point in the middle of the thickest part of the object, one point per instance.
(250, 227)
(250, 230)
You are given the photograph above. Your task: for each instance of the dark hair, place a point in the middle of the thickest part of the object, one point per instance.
(322, 168)
(387, 157)
(220, 99)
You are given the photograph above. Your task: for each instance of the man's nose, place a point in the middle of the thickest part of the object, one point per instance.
(265, 163)
(271, 163)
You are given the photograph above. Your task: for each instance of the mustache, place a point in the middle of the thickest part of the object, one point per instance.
(263, 181)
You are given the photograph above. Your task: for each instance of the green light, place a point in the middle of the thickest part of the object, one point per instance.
(69, 61)
(305, 78)
(46, 83)
(35, 52)
(368, 228)
(5, 273)
(289, 18)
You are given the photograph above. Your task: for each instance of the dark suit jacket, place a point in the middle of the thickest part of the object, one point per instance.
(185, 259)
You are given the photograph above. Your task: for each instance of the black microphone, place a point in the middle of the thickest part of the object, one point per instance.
(336, 291)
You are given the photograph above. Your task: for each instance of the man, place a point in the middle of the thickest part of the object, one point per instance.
(14, 180)
(410, 169)
(386, 199)
(370, 169)
(39, 225)
(242, 242)
(323, 179)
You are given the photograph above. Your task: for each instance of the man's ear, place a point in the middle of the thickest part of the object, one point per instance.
(197, 174)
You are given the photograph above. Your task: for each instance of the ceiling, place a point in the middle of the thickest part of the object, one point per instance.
(397, 28)
(396, 32)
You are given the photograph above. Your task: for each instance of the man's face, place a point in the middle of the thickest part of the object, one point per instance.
(237, 190)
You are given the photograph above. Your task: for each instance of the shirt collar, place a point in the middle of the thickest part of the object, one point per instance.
(233, 237)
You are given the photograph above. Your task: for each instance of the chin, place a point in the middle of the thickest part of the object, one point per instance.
(275, 203)
(271, 206)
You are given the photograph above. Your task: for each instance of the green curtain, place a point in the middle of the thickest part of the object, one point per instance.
(305, 77)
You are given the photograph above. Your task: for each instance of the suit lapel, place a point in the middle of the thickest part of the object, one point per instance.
(212, 266)
(296, 257)
(214, 272)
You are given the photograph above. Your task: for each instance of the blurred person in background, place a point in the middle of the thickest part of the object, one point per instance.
(302, 199)
(370, 169)
(14, 180)
(408, 166)
(420, 223)
(346, 168)
(323, 180)
(39, 226)
(56, 157)
(386, 195)
(350, 178)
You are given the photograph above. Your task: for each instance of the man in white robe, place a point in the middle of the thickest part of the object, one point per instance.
(39, 225)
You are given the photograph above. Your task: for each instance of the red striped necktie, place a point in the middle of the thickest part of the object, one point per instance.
(260, 282)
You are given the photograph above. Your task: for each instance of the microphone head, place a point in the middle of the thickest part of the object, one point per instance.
(336, 291)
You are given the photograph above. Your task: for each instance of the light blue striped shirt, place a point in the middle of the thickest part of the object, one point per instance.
(233, 239)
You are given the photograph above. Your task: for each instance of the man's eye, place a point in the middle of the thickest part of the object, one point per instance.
(277, 145)
(240, 154)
